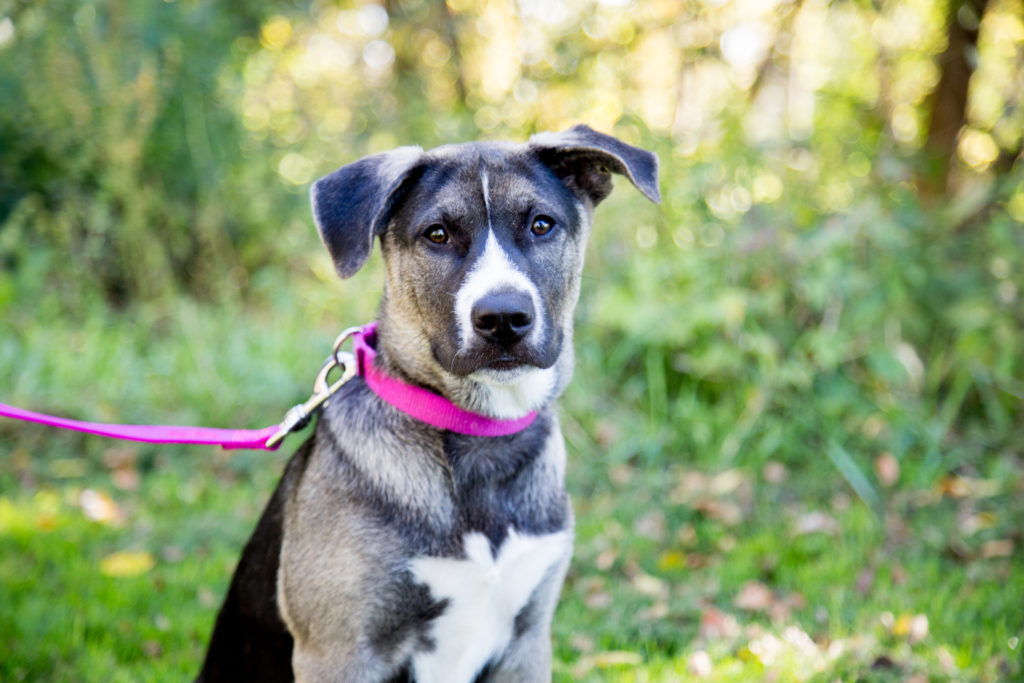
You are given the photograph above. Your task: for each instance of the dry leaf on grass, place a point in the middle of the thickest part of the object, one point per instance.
(605, 559)
(126, 564)
(816, 521)
(913, 627)
(672, 560)
(956, 486)
(699, 664)
(725, 511)
(865, 580)
(754, 596)
(100, 507)
(1002, 547)
(717, 625)
(621, 474)
(774, 472)
(605, 660)
(648, 584)
(581, 643)
(887, 469)
(206, 597)
(656, 612)
(121, 463)
(972, 522)
(651, 525)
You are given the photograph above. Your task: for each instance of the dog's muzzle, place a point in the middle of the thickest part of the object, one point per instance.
(503, 318)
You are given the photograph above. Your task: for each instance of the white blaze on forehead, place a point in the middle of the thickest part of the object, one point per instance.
(492, 272)
(487, 199)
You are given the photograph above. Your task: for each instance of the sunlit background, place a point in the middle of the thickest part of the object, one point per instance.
(795, 430)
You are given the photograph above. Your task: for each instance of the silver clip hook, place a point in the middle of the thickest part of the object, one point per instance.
(298, 415)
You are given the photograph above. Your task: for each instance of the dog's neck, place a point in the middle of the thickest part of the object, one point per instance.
(404, 352)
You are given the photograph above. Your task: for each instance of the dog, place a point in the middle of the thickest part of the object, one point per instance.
(394, 550)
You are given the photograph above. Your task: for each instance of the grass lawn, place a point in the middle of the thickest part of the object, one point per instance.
(753, 565)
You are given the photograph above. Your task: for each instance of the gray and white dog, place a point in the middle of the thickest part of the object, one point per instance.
(392, 550)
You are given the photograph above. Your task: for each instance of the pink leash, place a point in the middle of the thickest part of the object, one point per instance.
(228, 438)
(417, 402)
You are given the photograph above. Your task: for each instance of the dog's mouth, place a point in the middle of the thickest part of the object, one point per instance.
(505, 363)
(496, 360)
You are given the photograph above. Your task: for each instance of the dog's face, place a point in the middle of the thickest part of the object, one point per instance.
(483, 245)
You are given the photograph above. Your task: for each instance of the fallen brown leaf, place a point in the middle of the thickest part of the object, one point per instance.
(126, 564)
(581, 643)
(672, 560)
(717, 625)
(724, 511)
(964, 487)
(656, 612)
(605, 559)
(814, 522)
(689, 486)
(973, 522)
(726, 482)
(649, 585)
(887, 468)
(865, 580)
(913, 627)
(604, 660)
(780, 610)
(621, 474)
(754, 596)
(1002, 547)
(651, 525)
(687, 535)
(918, 628)
(126, 479)
(206, 597)
(774, 472)
(100, 507)
(152, 649)
(699, 664)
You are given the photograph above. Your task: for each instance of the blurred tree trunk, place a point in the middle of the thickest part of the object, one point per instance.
(947, 105)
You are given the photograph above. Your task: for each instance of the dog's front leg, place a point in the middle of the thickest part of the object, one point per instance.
(528, 657)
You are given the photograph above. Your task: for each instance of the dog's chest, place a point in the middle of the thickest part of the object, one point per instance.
(484, 593)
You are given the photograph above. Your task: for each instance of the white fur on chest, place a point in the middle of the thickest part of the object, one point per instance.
(484, 593)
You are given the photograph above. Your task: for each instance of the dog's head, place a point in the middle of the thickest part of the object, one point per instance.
(483, 245)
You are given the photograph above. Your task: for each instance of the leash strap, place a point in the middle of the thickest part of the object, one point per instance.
(227, 438)
(417, 402)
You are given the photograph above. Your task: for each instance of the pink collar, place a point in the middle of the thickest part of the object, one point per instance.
(424, 405)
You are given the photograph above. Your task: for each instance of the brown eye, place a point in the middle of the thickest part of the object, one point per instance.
(436, 234)
(542, 225)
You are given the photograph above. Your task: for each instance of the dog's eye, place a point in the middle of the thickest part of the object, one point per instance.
(542, 225)
(436, 234)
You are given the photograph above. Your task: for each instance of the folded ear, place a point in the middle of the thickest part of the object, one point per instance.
(353, 204)
(585, 159)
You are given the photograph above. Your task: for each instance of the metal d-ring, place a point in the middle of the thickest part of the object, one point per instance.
(338, 359)
(298, 415)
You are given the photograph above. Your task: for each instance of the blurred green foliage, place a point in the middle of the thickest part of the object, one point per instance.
(160, 149)
(805, 294)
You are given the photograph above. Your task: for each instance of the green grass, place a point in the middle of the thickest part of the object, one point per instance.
(667, 536)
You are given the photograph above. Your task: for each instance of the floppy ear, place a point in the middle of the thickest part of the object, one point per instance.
(353, 204)
(585, 159)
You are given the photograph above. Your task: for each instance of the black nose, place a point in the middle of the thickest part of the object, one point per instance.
(504, 317)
